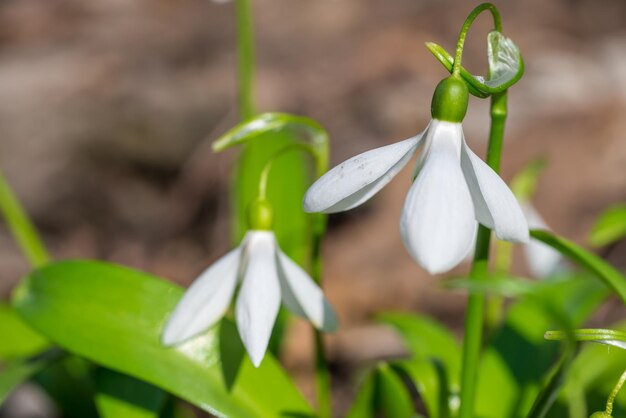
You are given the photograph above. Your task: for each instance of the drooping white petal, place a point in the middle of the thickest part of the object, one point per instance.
(494, 203)
(205, 301)
(438, 221)
(302, 296)
(259, 298)
(356, 180)
(542, 260)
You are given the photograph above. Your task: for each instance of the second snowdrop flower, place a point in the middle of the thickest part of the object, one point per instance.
(267, 277)
(452, 190)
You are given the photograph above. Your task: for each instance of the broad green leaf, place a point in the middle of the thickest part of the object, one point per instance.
(392, 398)
(114, 316)
(16, 372)
(431, 382)
(121, 396)
(19, 340)
(427, 340)
(506, 65)
(610, 227)
(591, 262)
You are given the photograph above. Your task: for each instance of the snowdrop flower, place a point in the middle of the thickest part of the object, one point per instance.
(542, 260)
(452, 190)
(267, 277)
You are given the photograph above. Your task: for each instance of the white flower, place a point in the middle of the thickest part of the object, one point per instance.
(267, 276)
(542, 260)
(452, 190)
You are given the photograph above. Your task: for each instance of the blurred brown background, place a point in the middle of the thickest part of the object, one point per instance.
(108, 109)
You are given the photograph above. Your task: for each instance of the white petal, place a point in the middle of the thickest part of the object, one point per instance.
(205, 301)
(356, 180)
(542, 259)
(494, 203)
(259, 298)
(438, 221)
(302, 296)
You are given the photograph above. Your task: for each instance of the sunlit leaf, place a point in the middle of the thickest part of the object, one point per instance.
(591, 262)
(610, 227)
(114, 316)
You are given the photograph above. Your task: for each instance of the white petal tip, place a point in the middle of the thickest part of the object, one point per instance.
(172, 335)
(256, 363)
(520, 236)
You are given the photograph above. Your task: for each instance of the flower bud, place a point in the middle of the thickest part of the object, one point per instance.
(601, 414)
(260, 215)
(450, 100)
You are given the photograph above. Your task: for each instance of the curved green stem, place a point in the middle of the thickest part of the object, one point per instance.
(497, 24)
(263, 178)
(480, 268)
(320, 156)
(21, 226)
(245, 58)
(616, 389)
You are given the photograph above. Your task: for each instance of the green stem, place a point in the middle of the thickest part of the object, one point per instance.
(21, 226)
(497, 24)
(616, 389)
(245, 58)
(480, 270)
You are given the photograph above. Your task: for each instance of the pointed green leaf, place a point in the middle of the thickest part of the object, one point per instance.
(114, 316)
(591, 262)
(392, 398)
(610, 227)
